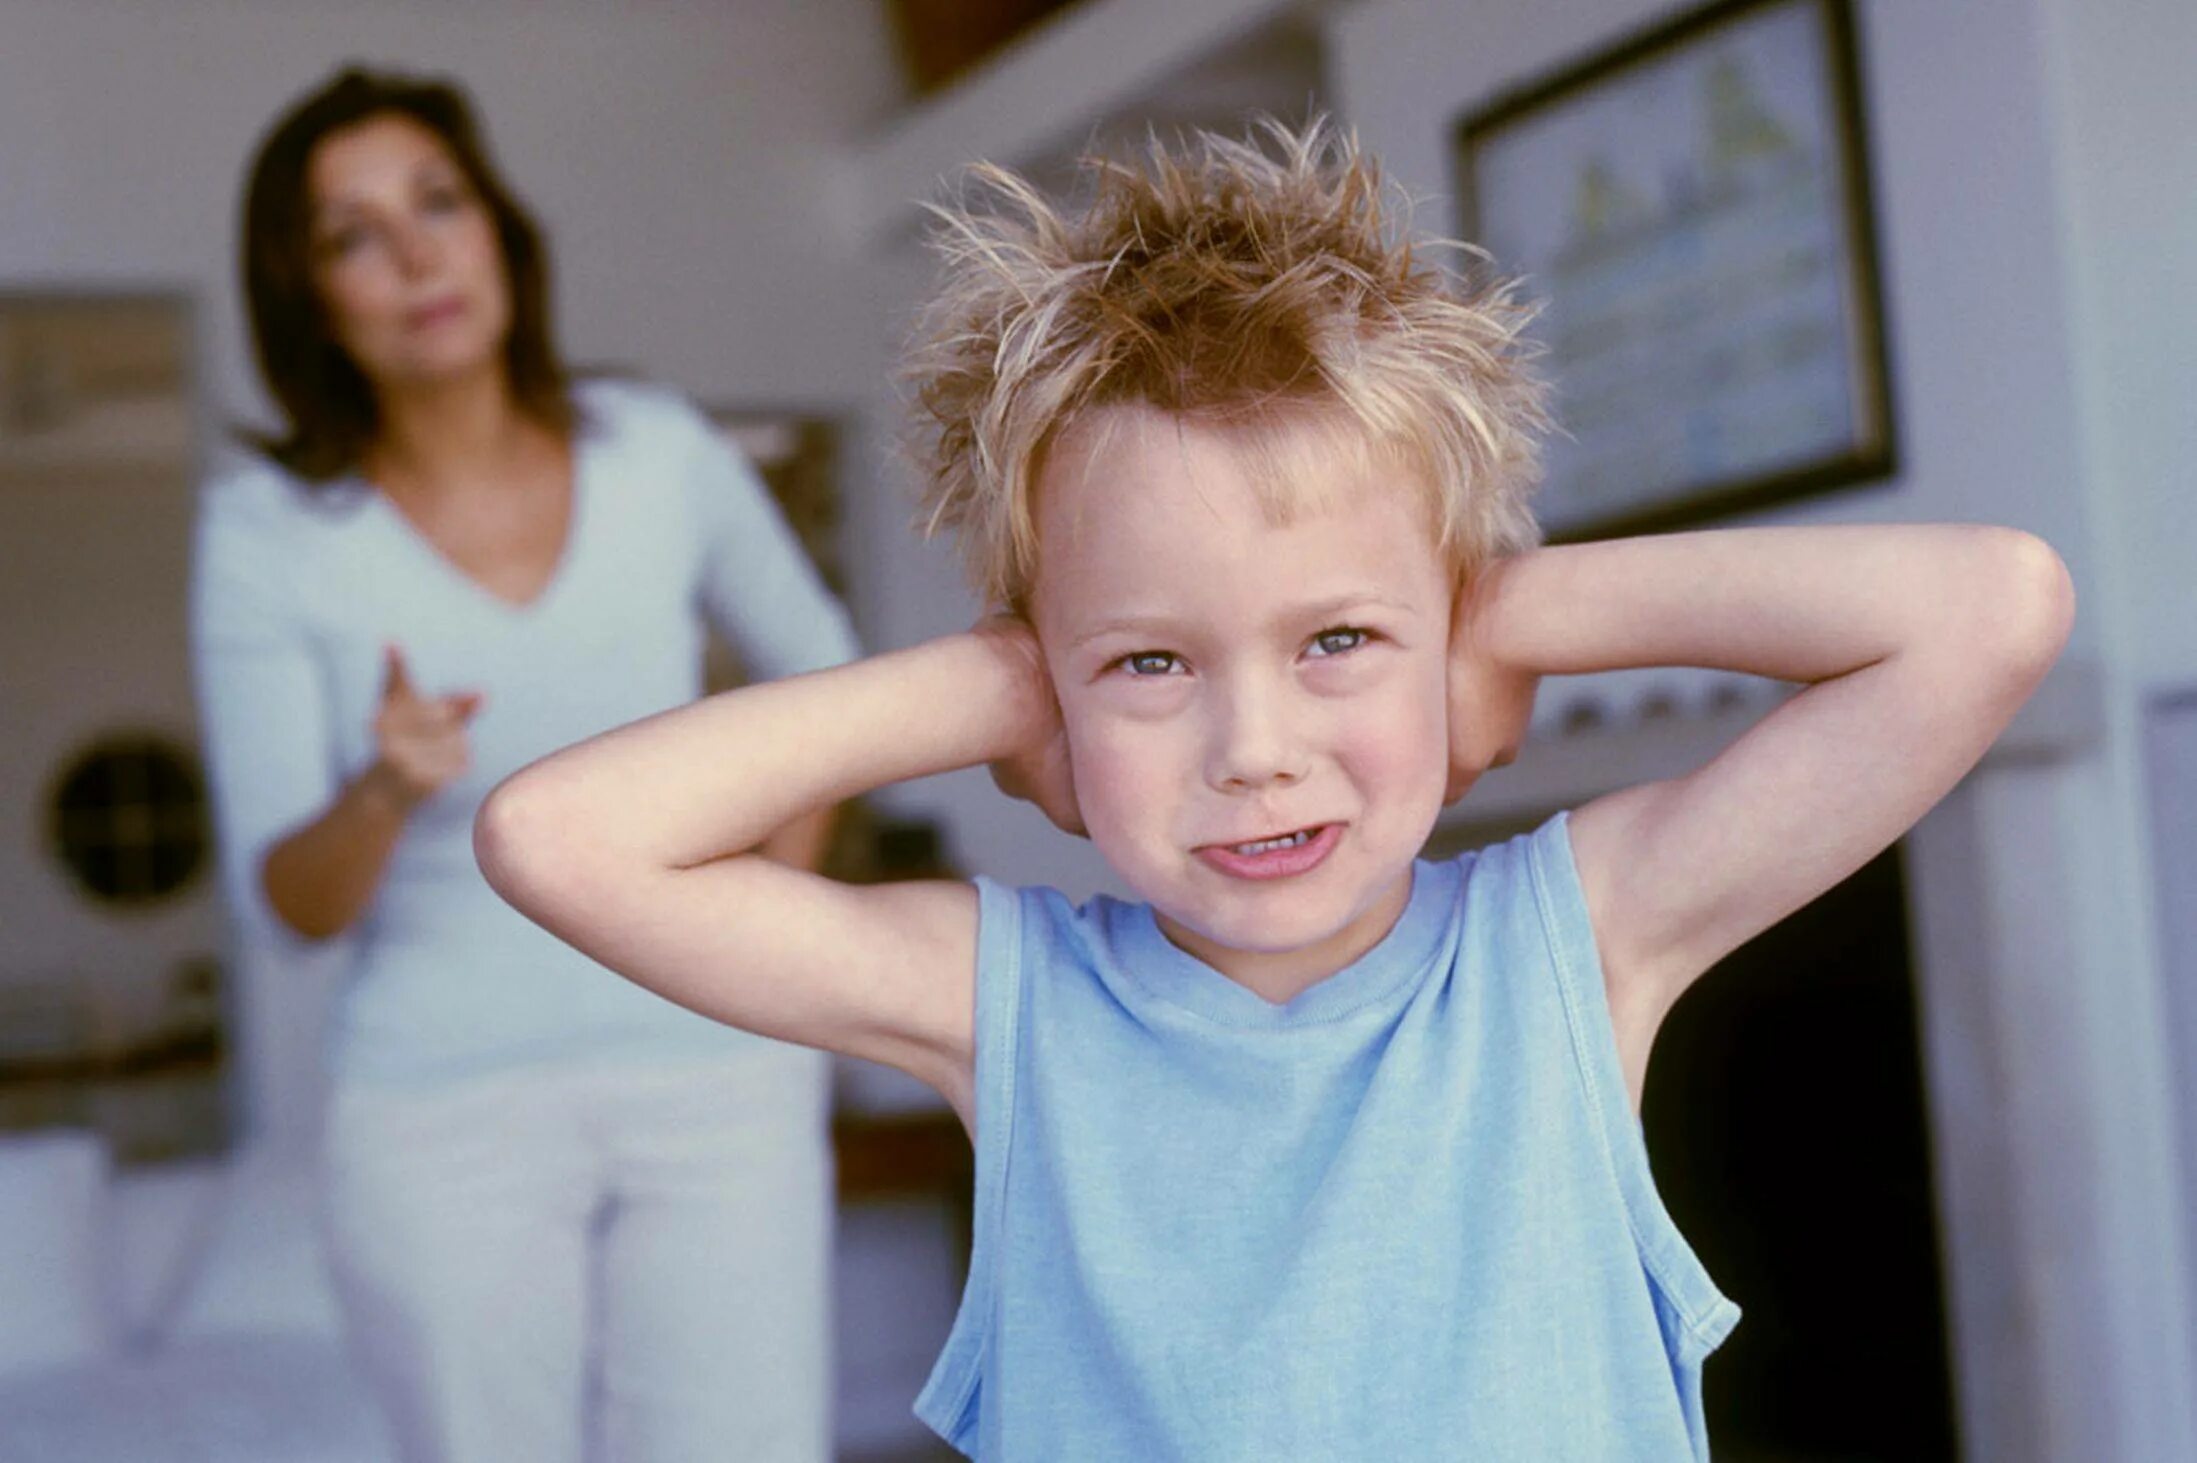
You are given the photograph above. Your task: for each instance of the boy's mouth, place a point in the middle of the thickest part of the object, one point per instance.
(1276, 857)
(1268, 845)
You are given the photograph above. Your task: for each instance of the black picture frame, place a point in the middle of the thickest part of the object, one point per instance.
(1692, 210)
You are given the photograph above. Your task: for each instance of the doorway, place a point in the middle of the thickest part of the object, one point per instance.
(1785, 1113)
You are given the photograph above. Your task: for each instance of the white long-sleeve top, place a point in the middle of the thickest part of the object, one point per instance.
(295, 589)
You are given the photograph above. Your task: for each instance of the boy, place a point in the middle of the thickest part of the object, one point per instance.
(1319, 1152)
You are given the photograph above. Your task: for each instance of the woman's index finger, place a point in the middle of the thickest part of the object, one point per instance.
(395, 680)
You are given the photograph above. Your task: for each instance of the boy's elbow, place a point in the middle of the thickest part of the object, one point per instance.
(515, 840)
(2039, 599)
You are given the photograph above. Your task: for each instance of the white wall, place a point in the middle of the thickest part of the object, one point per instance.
(2126, 136)
(2125, 133)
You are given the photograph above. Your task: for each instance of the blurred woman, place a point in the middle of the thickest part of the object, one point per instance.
(564, 1214)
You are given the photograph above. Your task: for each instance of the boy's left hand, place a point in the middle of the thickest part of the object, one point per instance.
(1490, 702)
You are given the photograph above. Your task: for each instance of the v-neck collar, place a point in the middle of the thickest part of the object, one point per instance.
(448, 570)
(1398, 959)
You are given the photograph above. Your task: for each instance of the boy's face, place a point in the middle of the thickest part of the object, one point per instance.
(1227, 681)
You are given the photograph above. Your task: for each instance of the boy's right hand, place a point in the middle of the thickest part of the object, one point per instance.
(1038, 770)
(420, 741)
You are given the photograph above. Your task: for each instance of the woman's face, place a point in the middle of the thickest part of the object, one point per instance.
(405, 256)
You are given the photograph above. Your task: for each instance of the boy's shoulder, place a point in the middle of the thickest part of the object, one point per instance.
(1010, 916)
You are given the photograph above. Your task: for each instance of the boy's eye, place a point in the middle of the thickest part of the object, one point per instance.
(1337, 641)
(1150, 662)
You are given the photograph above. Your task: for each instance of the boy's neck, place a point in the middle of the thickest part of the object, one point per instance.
(1280, 976)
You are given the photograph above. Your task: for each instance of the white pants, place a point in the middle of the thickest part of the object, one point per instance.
(615, 1262)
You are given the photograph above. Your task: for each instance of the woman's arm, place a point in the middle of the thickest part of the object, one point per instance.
(1917, 644)
(321, 877)
(263, 712)
(303, 851)
(759, 586)
(763, 594)
(635, 846)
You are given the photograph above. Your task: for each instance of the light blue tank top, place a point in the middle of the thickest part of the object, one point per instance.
(1407, 1215)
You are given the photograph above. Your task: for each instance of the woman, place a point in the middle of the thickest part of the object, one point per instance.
(560, 1209)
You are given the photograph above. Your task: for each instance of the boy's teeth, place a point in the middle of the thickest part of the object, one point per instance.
(1266, 845)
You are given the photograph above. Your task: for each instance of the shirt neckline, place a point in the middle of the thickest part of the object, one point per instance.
(447, 570)
(1172, 974)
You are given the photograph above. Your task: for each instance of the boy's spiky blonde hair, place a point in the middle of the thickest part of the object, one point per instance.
(1256, 290)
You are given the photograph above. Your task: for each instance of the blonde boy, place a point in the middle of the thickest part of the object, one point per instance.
(1319, 1151)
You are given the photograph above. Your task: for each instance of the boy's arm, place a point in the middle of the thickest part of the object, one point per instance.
(636, 846)
(1919, 644)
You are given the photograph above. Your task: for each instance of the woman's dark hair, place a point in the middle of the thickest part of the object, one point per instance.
(327, 399)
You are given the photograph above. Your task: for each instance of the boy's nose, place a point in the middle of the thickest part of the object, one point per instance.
(1252, 746)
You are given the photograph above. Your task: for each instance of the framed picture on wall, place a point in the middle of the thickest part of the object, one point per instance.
(1690, 210)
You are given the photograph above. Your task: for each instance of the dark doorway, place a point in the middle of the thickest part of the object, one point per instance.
(1784, 1114)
